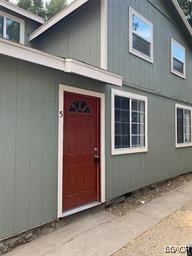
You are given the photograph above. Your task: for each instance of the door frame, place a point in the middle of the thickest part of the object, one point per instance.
(101, 96)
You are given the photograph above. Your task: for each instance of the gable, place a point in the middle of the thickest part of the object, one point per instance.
(172, 4)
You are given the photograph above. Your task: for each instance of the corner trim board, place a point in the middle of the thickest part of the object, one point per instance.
(104, 31)
(62, 89)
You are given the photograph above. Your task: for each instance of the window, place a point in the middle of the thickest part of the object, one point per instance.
(177, 59)
(183, 126)
(129, 123)
(140, 36)
(79, 106)
(11, 28)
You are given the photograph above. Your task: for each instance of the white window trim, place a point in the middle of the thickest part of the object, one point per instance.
(181, 145)
(115, 151)
(22, 26)
(131, 49)
(172, 69)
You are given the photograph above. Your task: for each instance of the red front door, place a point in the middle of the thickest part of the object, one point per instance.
(81, 165)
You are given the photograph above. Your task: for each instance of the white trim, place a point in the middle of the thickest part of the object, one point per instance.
(104, 34)
(182, 16)
(59, 16)
(182, 145)
(62, 89)
(184, 64)
(21, 11)
(80, 209)
(131, 49)
(22, 52)
(115, 151)
(80, 68)
(76, 4)
(20, 21)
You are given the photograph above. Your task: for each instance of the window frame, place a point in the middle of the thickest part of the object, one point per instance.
(131, 49)
(131, 150)
(175, 72)
(184, 144)
(20, 21)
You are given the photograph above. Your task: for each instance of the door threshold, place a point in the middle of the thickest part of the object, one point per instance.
(80, 209)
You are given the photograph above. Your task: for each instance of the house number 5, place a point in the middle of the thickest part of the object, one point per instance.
(61, 114)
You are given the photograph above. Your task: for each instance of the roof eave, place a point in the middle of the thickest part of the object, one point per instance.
(182, 16)
(21, 11)
(21, 52)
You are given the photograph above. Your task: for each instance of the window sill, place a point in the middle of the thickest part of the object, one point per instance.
(178, 74)
(183, 145)
(141, 56)
(129, 151)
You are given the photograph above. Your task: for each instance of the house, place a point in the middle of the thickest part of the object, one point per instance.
(94, 103)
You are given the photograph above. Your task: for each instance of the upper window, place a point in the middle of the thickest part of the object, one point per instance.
(177, 58)
(129, 123)
(183, 126)
(140, 36)
(11, 28)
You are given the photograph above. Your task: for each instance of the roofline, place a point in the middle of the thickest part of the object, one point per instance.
(182, 16)
(76, 4)
(31, 55)
(16, 9)
(59, 16)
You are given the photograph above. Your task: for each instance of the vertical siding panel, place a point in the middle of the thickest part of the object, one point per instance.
(77, 36)
(137, 72)
(22, 149)
(7, 147)
(36, 149)
(49, 169)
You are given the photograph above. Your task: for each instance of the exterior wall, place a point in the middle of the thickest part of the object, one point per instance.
(125, 173)
(137, 72)
(30, 25)
(77, 36)
(128, 172)
(28, 143)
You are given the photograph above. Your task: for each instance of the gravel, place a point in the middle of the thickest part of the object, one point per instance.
(168, 237)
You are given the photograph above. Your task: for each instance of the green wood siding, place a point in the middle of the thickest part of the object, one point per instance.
(28, 143)
(128, 172)
(125, 173)
(137, 72)
(77, 36)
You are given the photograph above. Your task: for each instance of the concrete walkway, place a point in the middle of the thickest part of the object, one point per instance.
(100, 233)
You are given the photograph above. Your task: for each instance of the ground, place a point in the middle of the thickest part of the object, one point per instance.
(147, 194)
(171, 234)
(143, 224)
